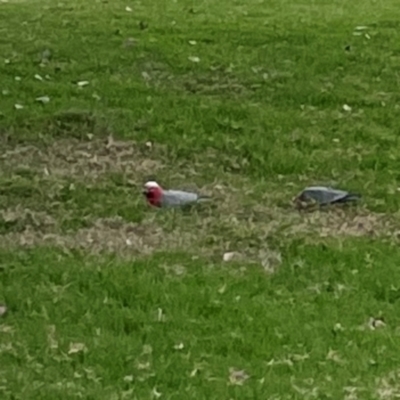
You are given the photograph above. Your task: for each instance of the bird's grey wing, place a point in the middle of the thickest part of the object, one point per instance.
(324, 195)
(179, 197)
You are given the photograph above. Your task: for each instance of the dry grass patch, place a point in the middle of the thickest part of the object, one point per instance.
(82, 160)
(388, 387)
(105, 235)
(239, 220)
(208, 233)
(19, 219)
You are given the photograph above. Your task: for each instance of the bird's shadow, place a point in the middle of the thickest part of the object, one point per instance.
(201, 209)
(326, 208)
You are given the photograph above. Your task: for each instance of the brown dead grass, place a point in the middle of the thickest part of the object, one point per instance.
(235, 222)
(83, 160)
(388, 387)
(105, 235)
(198, 234)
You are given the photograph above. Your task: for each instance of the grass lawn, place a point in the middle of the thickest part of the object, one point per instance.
(246, 101)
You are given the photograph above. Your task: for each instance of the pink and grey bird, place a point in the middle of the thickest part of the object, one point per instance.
(158, 197)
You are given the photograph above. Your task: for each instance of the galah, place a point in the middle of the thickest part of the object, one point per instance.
(322, 195)
(158, 197)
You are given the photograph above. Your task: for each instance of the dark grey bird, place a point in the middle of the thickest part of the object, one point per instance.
(322, 195)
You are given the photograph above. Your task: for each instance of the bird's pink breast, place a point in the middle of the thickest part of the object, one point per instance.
(154, 197)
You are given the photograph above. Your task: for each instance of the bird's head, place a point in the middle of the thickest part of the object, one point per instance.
(153, 193)
(304, 202)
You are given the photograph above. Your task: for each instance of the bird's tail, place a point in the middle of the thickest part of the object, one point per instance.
(204, 199)
(352, 197)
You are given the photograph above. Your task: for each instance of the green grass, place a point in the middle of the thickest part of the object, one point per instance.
(247, 101)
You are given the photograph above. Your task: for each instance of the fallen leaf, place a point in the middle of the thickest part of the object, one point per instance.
(237, 377)
(160, 315)
(375, 323)
(192, 42)
(229, 256)
(51, 337)
(179, 346)
(346, 108)
(143, 365)
(43, 99)
(222, 289)
(127, 8)
(17, 78)
(18, 106)
(76, 348)
(6, 329)
(3, 310)
(82, 83)
(333, 355)
(38, 77)
(194, 59)
(338, 327)
(146, 76)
